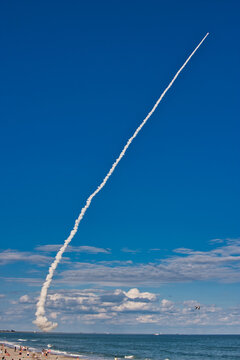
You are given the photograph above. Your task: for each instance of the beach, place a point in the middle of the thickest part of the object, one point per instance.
(24, 353)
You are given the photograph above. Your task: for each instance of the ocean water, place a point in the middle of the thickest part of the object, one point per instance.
(142, 347)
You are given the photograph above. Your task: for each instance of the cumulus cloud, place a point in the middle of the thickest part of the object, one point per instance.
(132, 306)
(24, 299)
(96, 302)
(136, 294)
(166, 304)
(116, 307)
(87, 306)
(184, 314)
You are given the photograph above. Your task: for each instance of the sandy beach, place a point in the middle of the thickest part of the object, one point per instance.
(23, 353)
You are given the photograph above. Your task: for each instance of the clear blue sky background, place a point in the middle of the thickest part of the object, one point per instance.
(77, 78)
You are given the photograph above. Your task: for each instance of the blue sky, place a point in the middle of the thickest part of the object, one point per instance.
(76, 80)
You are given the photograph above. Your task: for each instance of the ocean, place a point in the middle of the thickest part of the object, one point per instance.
(142, 347)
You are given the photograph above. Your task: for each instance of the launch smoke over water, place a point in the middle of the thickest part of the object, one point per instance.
(41, 320)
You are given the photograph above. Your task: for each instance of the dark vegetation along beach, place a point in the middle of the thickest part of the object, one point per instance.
(60, 346)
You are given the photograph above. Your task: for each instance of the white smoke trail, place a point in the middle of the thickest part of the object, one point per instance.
(41, 320)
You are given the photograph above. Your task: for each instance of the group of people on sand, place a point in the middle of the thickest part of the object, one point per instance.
(19, 352)
(16, 349)
(45, 352)
(21, 349)
(4, 352)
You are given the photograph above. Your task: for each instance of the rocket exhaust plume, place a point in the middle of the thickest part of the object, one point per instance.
(41, 320)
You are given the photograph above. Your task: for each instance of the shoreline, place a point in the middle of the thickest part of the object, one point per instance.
(11, 351)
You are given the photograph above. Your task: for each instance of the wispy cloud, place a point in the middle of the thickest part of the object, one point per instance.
(216, 241)
(8, 256)
(132, 251)
(222, 264)
(186, 265)
(27, 281)
(78, 249)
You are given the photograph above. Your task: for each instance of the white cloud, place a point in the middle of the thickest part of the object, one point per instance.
(132, 251)
(219, 264)
(99, 316)
(90, 307)
(24, 299)
(8, 256)
(25, 280)
(136, 294)
(147, 319)
(96, 302)
(78, 249)
(166, 303)
(53, 315)
(216, 241)
(132, 306)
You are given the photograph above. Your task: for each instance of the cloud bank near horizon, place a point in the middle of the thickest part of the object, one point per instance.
(132, 307)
